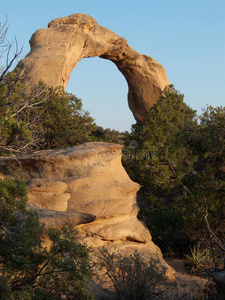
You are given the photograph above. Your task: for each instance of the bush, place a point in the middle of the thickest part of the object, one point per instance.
(39, 117)
(180, 164)
(132, 277)
(198, 260)
(28, 269)
(166, 226)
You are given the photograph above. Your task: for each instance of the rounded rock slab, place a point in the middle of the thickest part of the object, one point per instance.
(54, 201)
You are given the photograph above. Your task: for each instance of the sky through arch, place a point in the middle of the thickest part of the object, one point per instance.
(103, 91)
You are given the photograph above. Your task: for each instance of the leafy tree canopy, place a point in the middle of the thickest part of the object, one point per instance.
(40, 117)
(180, 163)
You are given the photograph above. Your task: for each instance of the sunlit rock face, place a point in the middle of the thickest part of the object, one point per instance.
(56, 50)
(87, 185)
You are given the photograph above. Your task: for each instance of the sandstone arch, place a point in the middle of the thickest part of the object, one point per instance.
(56, 50)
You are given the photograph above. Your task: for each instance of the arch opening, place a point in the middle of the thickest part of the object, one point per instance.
(103, 91)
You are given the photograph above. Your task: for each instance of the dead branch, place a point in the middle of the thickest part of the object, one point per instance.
(7, 47)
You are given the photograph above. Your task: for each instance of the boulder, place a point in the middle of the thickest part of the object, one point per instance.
(88, 185)
(56, 50)
(219, 279)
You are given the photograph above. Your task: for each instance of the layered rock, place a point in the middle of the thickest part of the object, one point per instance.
(87, 185)
(56, 50)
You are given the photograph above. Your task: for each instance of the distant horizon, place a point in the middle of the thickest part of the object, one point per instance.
(187, 38)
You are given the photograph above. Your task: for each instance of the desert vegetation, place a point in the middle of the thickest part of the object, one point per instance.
(178, 158)
(30, 270)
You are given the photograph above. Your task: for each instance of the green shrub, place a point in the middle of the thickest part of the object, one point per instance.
(179, 163)
(132, 277)
(198, 259)
(39, 117)
(166, 227)
(28, 269)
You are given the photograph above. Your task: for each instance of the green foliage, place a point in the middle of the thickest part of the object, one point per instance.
(208, 179)
(198, 259)
(13, 197)
(63, 122)
(167, 225)
(28, 269)
(161, 157)
(107, 135)
(161, 162)
(180, 164)
(14, 131)
(67, 266)
(40, 117)
(132, 277)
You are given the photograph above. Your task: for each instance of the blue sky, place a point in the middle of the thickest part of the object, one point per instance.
(186, 37)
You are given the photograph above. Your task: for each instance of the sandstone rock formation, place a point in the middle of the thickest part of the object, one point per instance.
(88, 185)
(55, 219)
(56, 50)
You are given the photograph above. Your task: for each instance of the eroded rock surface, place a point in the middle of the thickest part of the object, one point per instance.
(56, 50)
(55, 219)
(87, 185)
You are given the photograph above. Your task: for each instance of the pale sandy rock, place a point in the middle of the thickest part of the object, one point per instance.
(56, 219)
(122, 228)
(148, 251)
(56, 50)
(48, 194)
(93, 190)
(88, 184)
(41, 185)
(55, 201)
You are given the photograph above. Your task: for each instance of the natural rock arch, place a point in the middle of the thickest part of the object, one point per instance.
(56, 50)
